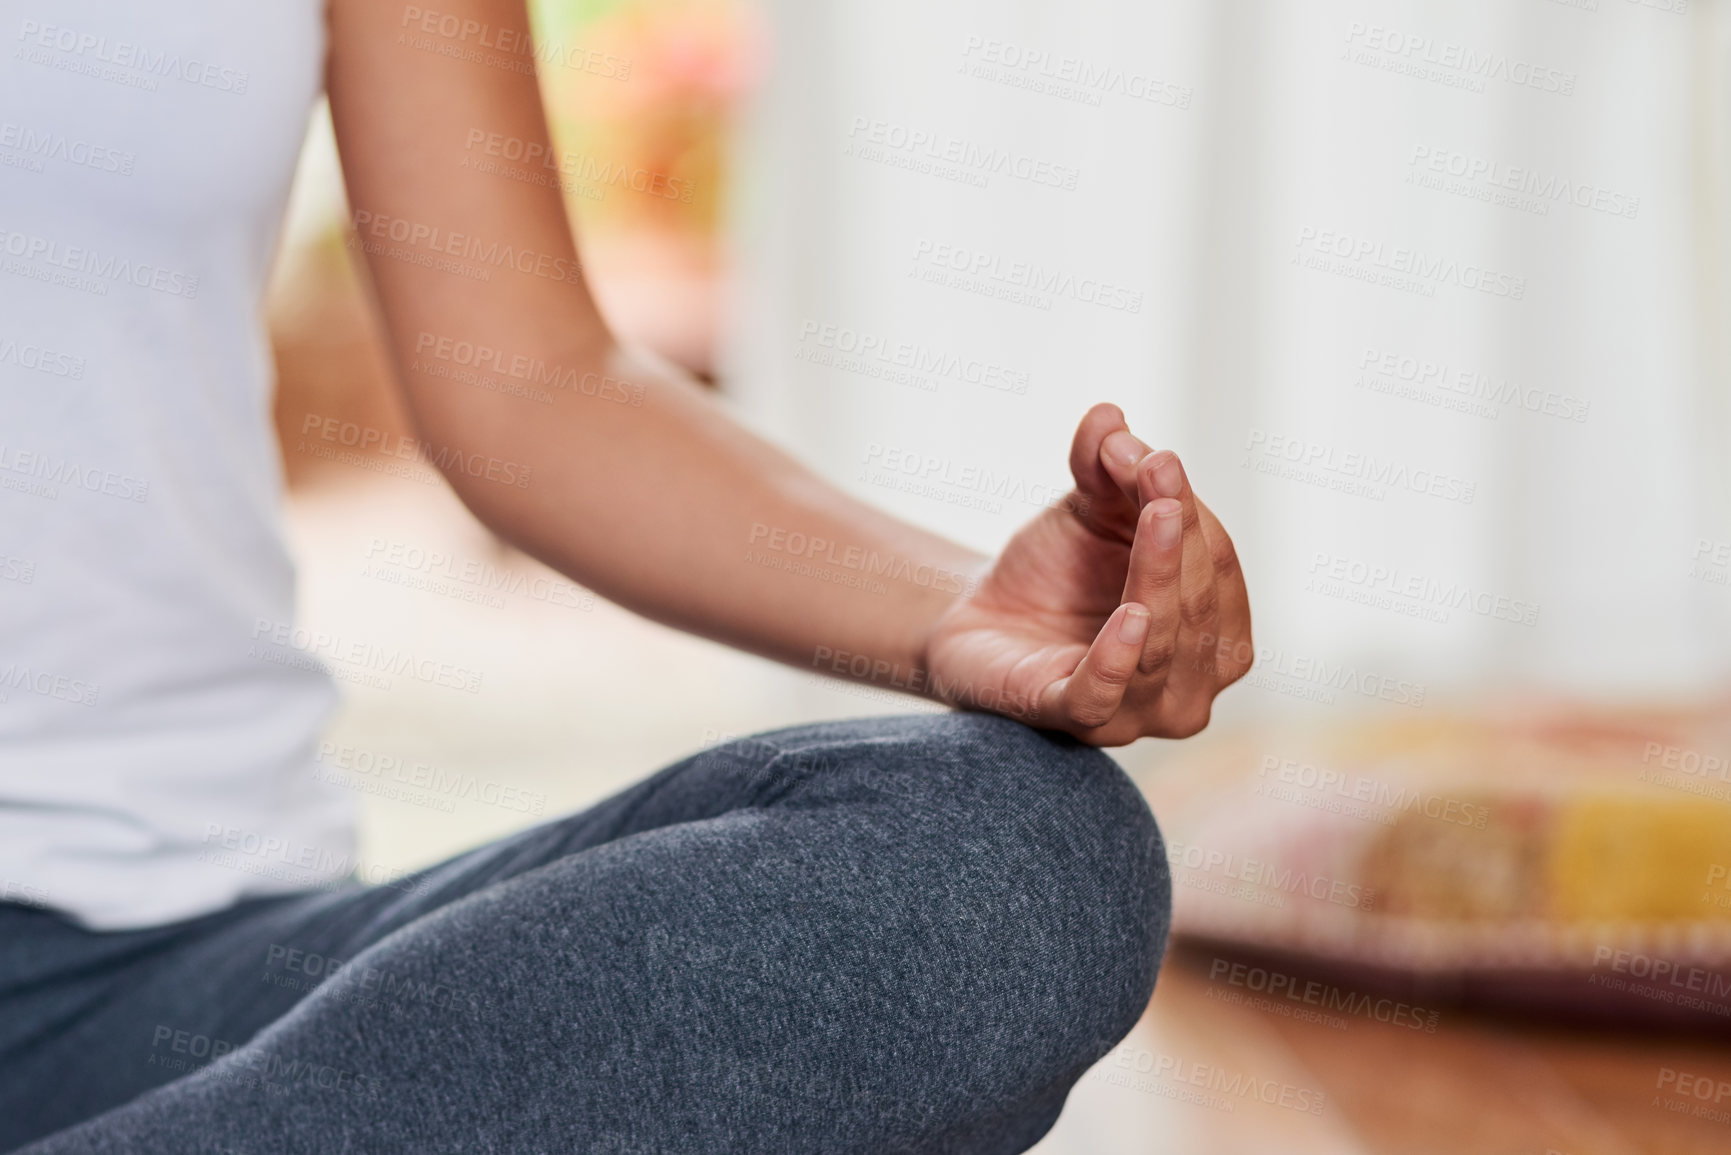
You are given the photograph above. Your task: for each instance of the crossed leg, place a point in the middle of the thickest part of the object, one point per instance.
(908, 934)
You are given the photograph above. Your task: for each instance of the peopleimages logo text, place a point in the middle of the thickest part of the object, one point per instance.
(465, 246)
(45, 145)
(89, 262)
(1423, 267)
(1328, 460)
(364, 655)
(1468, 62)
(125, 54)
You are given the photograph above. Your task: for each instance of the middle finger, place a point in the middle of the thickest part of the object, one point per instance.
(1162, 475)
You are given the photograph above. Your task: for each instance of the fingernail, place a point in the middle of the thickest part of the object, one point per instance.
(1134, 627)
(1168, 527)
(1123, 448)
(1168, 475)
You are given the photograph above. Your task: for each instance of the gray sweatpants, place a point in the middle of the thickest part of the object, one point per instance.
(898, 935)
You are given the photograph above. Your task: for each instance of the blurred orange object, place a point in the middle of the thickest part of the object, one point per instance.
(642, 148)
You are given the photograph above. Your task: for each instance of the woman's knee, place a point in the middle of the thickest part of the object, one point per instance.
(1045, 841)
(1072, 809)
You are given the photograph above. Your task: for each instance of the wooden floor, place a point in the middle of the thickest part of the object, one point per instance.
(1201, 1075)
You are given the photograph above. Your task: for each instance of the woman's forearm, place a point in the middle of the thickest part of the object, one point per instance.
(666, 506)
(641, 487)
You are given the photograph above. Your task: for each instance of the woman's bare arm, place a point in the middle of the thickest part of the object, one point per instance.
(637, 484)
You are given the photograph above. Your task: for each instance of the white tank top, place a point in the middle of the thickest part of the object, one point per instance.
(156, 748)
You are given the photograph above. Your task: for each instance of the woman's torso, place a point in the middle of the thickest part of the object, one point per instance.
(155, 745)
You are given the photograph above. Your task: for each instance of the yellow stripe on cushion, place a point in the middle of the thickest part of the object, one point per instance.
(1628, 858)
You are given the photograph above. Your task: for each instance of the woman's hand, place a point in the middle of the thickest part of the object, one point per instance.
(1118, 615)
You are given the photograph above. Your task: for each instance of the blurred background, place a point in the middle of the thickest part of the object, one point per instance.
(1435, 301)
